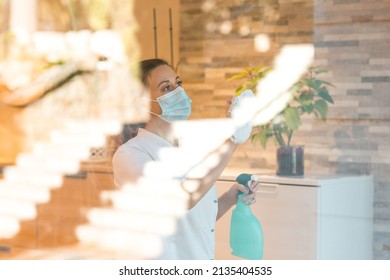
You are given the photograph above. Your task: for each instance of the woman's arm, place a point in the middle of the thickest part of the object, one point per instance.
(198, 187)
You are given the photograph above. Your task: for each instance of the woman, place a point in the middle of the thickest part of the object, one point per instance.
(194, 238)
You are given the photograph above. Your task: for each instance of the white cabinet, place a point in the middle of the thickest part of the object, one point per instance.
(311, 217)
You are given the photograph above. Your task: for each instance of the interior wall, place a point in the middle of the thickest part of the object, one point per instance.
(209, 55)
(11, 136)
(158, 29)
(351, 40)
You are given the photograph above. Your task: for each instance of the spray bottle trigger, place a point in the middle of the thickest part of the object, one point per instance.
(245, 179)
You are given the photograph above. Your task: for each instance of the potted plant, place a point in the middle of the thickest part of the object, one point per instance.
(310, 95)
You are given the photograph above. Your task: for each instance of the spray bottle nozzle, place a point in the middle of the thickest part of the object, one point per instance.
(246, 180)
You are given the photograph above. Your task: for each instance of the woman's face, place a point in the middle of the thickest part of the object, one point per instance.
(162, 79)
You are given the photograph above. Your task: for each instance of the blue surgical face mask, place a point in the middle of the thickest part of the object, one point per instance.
(175, 105)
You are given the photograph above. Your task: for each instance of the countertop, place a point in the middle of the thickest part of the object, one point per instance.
(230, 174)
(270, 177)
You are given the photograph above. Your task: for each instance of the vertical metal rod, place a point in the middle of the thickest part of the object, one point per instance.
(155, 32)
(171, 34)
(73, 24)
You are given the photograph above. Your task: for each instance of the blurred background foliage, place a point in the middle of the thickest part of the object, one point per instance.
(64, 15)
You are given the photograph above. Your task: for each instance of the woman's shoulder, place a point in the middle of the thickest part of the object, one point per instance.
(146, 145)
(143, 142)
(130, 145)
(130, 152)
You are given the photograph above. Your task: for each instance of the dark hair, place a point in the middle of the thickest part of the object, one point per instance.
(148, 65)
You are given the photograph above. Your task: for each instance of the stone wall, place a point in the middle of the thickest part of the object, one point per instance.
(351, 39)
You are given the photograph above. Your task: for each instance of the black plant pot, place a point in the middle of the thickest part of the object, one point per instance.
(290, 160)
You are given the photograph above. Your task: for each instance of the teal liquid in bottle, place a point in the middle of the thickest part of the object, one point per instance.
(246, 233)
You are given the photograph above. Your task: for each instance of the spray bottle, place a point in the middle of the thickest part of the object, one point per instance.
(246, 233)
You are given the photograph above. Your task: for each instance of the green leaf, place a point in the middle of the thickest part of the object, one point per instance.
(292, 117)
(238, 76)
(259, 69)
(262, 136)
(326, 83)
(319, 70)
(263, 141)
(251, 84)
(297, 86)
(308, 81)
(306, 98)
(241, 88)
(313, 83)
(307, 108)
(259, 76)
(258, 137)
(255, 138)
(321, 107)
(324, 94)
(263, 70)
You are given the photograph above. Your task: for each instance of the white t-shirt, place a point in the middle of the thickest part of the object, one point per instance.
(195, 238)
